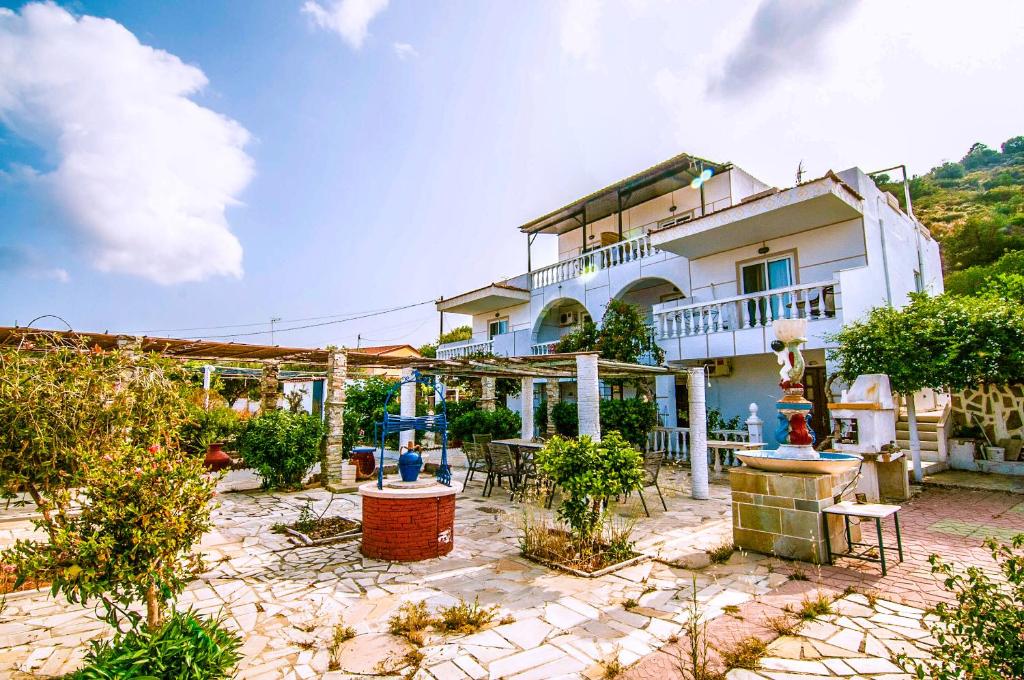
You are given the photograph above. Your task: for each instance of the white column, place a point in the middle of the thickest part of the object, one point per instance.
(698, 435)
(915, 437)
(665, 391)
(755, 426)
(588, 396)
(407, 406)
(527, 402)
(207, 375)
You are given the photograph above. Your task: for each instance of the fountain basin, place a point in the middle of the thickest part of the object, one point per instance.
(828, 463)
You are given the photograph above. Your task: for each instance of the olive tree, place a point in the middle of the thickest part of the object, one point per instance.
(934, 342)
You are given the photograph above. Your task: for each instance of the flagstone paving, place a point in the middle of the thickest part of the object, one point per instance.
(286, 600)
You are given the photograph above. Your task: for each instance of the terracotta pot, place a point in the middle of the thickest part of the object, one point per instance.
(216, 459)
(364, 460)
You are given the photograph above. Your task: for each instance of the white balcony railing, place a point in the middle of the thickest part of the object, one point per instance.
(594, 261)
(544, 347)
(805, 301)
(465, 349)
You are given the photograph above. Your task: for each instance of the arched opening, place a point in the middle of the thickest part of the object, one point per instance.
(558, 318)
(647, 292)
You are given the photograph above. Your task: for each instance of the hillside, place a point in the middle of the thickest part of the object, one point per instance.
(974, 208)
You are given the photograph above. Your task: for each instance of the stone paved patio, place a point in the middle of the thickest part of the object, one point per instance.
(286, 600)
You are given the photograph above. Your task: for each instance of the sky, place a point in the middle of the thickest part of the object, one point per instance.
(199, 168)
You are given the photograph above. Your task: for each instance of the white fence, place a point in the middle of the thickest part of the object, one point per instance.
(591, 262)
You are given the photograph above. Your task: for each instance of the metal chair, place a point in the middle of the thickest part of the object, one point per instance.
(503, 464)
(482, 439)
(527, 475)
(476, 460)
(652, 468)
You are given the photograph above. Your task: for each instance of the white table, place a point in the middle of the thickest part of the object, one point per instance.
(875, 511)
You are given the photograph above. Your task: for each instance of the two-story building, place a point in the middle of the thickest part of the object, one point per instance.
(712, 256)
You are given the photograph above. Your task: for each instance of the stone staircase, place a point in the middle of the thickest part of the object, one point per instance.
(932, 429)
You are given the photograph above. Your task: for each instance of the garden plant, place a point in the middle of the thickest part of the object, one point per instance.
(281, 446)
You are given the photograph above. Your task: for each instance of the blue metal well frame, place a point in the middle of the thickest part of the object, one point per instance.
(393, 423)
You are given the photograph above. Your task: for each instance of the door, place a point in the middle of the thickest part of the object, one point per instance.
(814, 392)
(768, 274)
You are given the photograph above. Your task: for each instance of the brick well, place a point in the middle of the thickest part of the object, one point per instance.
(407, 523)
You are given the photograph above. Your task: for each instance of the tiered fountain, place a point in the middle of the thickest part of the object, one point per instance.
(778, 496)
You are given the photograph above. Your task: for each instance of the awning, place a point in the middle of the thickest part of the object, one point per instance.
(816, 203)
(658, 180)
(487, 299)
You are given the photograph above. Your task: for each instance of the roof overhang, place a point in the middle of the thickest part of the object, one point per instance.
(658, 180)
(816, 203)
(483, 300)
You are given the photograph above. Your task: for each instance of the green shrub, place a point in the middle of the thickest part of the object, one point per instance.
(566, 416)
(218, 424)
(281, 446)
(980, 637)
(588, 474)
(632, 418)
(500, 424)
(184, 646)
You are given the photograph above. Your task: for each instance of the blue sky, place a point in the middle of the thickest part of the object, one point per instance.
(265, 160)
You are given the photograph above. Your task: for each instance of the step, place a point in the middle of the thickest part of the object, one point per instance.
(921, 420)
(924, 435)
(925, 445)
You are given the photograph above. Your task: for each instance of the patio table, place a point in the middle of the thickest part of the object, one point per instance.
(517, 446)
(718, 445)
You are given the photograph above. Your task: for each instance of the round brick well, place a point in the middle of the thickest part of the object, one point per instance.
(408, 521)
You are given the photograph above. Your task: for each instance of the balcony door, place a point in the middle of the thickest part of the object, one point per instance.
(765, 275)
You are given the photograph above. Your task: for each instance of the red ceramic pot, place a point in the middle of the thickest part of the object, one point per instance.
(216, 459)
(365, 460)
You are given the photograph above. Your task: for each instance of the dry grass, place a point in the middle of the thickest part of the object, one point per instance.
(543, 538)
(342, 634)
(813, 607)
(783, 624)
(798, 574)
(722, 553)
(612, 668)
(465, 617)
(745, 653)
(410, 621)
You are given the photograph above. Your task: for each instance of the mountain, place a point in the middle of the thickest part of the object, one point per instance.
(975, 209)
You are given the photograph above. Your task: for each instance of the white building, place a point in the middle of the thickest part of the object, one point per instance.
(711, 263)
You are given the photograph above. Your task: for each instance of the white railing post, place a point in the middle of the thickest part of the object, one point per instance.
(755, 426)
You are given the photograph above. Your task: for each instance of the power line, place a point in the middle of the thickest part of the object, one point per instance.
(318, 325)
(257, 323)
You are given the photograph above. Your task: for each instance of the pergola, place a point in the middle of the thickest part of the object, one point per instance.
(587, 368)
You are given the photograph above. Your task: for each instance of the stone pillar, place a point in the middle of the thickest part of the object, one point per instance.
(588, 396)
(698, 435)
(665, 393)
(407, 405)
(755, 426)
(487, 393)
(269, 396)
(527, 401)
(553, 395)
(334, 418)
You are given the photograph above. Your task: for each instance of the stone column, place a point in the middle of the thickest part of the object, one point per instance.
(698, 435)
(755, 426)
(487, 393)
(665, 392)
(553, 395)
(527, 402)
(588, 396)
(334, 418)
(407, 405)
(269, 396)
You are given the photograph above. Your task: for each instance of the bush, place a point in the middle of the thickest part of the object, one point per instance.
(567, 421)
(589, 473)
(969, 281)
(980, 637)
(281, 446)
(500, 424)
(632, 418)
(218, 424)
(184, 646)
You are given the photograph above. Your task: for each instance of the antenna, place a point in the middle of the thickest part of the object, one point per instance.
(273, 320)
(800, 172)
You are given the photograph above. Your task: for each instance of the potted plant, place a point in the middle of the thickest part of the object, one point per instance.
(216, 459)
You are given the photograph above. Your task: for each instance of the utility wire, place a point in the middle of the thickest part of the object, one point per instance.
(261, 323)
(322, 323)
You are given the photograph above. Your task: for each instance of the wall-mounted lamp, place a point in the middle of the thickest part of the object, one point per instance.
(672, 208)
(763, 250)
(497, 315)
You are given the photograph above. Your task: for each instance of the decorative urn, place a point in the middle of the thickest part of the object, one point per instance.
(364, 460)
(216, 459)
(410, 462)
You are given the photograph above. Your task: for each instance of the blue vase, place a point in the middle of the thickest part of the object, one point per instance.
(409, 465)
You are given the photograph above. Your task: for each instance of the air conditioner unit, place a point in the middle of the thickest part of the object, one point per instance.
(568, 319)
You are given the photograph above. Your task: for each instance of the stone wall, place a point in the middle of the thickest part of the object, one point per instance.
(999, 409)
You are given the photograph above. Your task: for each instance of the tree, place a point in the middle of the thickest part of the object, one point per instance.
(980, 241)
(943, 341)
(969, 281)
(979, 156)
(625, 336)
(457, 334)
(948, 171)
(1013, 145)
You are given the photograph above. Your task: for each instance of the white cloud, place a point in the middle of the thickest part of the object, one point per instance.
(579, 31)
(23, 261)
(405, 51)
(144, 173)
(348, 18)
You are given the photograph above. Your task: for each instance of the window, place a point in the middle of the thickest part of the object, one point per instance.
(764, 275)
(497, 327)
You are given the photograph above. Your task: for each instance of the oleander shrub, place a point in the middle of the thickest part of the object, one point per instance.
(500, 423)
(185, 646)
(281, 446)
(632, 418)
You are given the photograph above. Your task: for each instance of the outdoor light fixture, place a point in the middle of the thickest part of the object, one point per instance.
(763, 249)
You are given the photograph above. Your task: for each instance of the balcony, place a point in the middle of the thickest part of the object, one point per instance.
(812, 301)
(624, 252)
(463, 349)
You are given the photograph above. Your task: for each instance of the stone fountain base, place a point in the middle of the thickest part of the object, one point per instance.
(779, 513)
